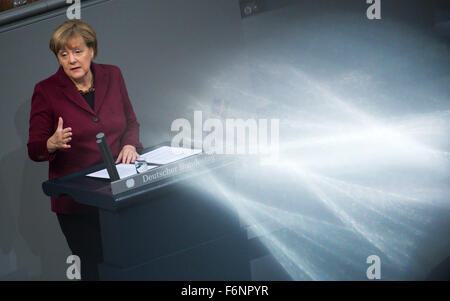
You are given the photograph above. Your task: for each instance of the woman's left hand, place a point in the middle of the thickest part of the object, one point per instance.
(128, 154)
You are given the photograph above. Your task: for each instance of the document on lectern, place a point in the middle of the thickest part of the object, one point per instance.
(124, 170)
(160, 156)
(168, 154)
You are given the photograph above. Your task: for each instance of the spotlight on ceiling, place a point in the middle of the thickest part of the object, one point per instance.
(252, 7)
(249, 7)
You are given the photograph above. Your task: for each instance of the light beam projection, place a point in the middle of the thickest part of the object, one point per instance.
(370, 221)
(384, 182)
(363, 165)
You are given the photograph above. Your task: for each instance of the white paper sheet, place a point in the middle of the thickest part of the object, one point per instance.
(168, 154)
(161, 155)
(124, 170)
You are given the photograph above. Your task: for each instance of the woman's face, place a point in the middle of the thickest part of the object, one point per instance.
(75, 58)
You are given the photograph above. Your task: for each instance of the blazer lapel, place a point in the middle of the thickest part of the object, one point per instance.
(71, 92)
(101, 82)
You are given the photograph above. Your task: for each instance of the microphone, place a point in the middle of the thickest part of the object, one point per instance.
(107, 157)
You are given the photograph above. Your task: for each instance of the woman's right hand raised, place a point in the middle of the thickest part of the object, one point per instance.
(60, 138)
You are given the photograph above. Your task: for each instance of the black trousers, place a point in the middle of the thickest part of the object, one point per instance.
(83, 235)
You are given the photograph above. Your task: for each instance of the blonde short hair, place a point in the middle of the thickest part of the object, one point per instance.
(70, 29)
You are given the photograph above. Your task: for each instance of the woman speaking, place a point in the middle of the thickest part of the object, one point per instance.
(68, 109)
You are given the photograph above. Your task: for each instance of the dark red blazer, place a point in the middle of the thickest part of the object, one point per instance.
(113, 115)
